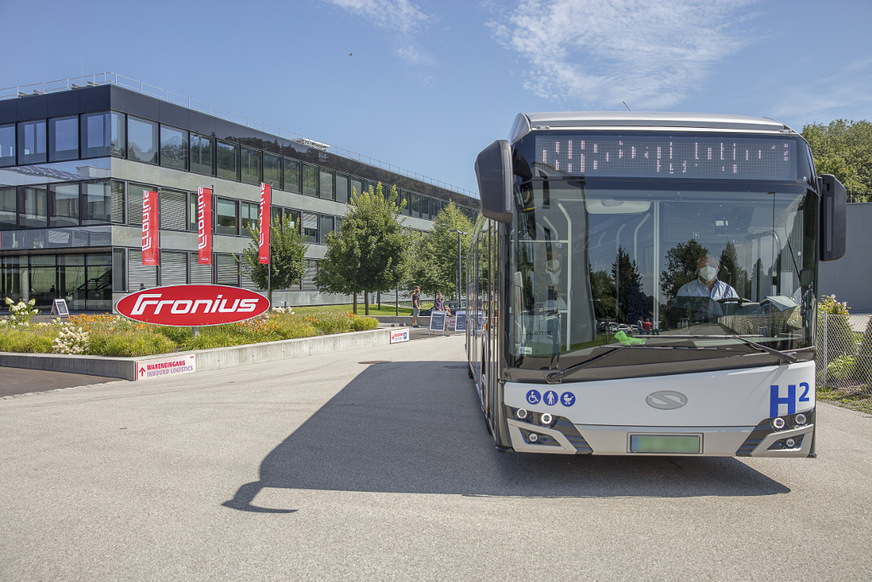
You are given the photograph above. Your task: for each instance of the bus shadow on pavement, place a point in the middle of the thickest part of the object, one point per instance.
(416, 427)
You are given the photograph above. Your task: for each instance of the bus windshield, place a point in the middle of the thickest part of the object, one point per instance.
(672, 269)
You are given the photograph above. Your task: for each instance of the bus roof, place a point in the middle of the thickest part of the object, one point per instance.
(644, 121)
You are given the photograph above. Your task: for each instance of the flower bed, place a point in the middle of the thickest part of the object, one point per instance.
(111, 335)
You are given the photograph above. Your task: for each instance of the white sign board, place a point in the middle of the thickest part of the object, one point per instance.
(400, 335)
(437, 321)
(165, 367)
(59, 308)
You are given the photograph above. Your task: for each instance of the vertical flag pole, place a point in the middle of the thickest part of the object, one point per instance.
(265, 244)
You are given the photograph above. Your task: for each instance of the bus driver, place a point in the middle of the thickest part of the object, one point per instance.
(706, 283)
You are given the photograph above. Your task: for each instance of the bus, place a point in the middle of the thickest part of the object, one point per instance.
(645, 284)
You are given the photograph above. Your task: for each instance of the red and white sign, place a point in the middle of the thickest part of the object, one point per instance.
(204, 225)
(165, 367)
(265, 192)
(192, 305)
(150, 228)
(400, 335)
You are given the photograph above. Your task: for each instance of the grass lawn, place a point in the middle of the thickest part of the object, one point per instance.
(386, 309)
(859, 399)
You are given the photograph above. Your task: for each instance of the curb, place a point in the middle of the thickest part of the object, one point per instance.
(213, 359)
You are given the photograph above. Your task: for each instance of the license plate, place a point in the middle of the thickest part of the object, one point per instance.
(665, 444)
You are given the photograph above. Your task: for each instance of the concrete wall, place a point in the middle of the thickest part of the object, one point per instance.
(850, 278)
(205, 359)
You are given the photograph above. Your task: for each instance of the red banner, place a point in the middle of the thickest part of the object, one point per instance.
(265, 192)
(150, 226)
(204, 225)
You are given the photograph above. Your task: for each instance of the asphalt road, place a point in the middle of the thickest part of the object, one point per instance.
(329, 467)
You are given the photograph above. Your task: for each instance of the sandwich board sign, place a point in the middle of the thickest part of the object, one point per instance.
(59, 308)
(437, 321)
(460, 322)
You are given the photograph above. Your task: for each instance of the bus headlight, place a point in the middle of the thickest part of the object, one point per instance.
(533, 438)
(800, 419)
(521, 414)
(546, 419)
(778, 423)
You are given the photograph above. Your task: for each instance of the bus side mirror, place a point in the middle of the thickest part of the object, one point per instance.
(833, 210)
(493, 168)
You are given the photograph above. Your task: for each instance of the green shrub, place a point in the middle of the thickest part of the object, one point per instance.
(29, 340)
(363, 323)
(130, 344)
(330, 322)
(840, 371)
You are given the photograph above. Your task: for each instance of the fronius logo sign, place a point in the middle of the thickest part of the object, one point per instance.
(192, 305)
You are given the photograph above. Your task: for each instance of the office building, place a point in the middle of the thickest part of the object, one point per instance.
(77, 155)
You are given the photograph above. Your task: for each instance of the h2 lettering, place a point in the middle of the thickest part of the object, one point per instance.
(776, 399)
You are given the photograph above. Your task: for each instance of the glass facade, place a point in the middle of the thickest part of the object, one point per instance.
(61, 204)
(173, 148)
(142, 140)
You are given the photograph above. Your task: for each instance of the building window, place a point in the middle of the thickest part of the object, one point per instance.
(272, 170)
(228, 164)
(225, 216)
(310, 180)
(310, 227)
(326, 227)
(356, 187)
(173, 148)
(341, 188)
(292, 176)
(34, 207)
(31, 142)
(287, 217)
(8, 208)
(118, 201)
(96, 203)
(249, 215)
(250, 166)
(134, 202)
(173, 268)
(119, 270)
(98, 276)
(103, 134)
(326, 183)
(64, 205)
(63, 139)
(201, 154)
(308, 281)
(173, 210)
(227, 270)
(7, 145)
(142, 140)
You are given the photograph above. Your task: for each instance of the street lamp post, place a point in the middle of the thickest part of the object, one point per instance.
(459, 233)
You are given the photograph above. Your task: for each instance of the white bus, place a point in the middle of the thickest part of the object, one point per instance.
(645, 284)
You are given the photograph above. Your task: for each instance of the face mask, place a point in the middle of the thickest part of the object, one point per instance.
(708, 273)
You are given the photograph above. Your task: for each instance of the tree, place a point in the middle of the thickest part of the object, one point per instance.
(287, 258)
(844, 149)
(434, 266)
(369, 253)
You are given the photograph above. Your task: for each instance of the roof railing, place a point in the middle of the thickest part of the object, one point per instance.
(110, 78)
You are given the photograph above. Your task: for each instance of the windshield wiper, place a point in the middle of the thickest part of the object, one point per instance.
(557, 376)
(783, 357)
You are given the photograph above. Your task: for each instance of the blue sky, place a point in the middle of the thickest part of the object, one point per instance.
(425, 85)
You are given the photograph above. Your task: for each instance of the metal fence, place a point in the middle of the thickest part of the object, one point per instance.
(844, 352)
